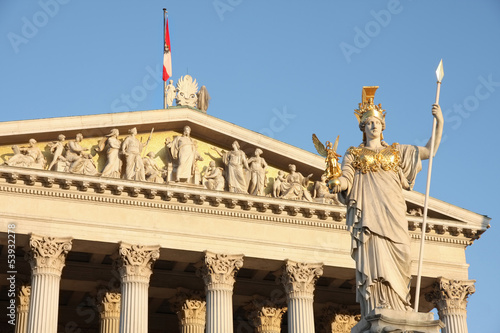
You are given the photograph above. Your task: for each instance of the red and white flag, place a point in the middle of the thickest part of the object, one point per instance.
(167, 56)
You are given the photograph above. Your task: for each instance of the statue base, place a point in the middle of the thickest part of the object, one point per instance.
(387, 320)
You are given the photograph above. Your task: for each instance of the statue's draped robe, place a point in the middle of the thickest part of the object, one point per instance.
(376, 218)
(79, 162)
(295, 187)
(258, 175)
(134, 167)
(235, 175)
(184, 151)
(113, 165)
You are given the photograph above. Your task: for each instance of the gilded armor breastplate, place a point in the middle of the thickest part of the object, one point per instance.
(368, 160)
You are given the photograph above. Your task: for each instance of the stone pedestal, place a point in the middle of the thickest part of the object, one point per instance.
(218, 271)
(265, 315)
(108, 305)
(46, 256)
(387, 320)
(23, 304)
(298, 280)
(450, 299)
(135, 267)
(191, 310)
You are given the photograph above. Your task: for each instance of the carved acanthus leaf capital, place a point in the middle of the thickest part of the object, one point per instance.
(23, 298)
(136, 260)
(338, 319)
(450, 295)
(300, 277)
(219, 270)
(108, 303)
(48, 252)
(190, 306)
(266, 315)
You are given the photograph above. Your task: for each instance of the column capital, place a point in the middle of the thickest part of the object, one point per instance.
(108, 303)
(266, 315)
(450, 295)
(23, 297)
(299, 278)
(338, 318)
(218, 270)
(48, 253)
(135, 262)
(190, 307)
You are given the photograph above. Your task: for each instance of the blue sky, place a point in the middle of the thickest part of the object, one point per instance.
(286, 69)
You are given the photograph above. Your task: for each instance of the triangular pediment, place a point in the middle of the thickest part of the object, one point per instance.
(209, 133)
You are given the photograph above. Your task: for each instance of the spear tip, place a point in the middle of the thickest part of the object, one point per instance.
(440, 71)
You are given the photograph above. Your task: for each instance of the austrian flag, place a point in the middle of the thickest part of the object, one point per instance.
(167, 56)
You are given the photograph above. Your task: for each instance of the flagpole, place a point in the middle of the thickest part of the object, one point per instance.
(439, 74)
(164, 82)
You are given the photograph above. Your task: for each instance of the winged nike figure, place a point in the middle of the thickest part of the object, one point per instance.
(332, 170)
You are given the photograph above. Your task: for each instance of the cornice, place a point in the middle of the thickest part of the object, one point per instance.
(198, 200)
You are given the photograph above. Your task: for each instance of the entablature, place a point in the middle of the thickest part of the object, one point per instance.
(196, 199)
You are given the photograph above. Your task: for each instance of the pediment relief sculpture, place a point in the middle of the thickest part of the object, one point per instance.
(27, 157)
(163, 157)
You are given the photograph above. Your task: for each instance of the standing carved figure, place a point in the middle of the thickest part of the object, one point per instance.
(235, 160)
(79, 161)
(113, 165)
(57, 149)
(373, 177)
(170, 92)
(214, 180)
(277, 184)
(295, 185)
(131, 149)
(203, 99)
(258, 181)
(28, 157)
(184, 153)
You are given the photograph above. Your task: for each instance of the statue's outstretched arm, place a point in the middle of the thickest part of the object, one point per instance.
(425, 152)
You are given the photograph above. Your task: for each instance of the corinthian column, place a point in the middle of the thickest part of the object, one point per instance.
(218, 271)
(450, 299)
(135, 264)
(191, 310)
(46, 256)
(265, 315)
(108, 305)
(23, 304)
(298, 280)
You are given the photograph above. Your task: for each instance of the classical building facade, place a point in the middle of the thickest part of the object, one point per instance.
(195, 226)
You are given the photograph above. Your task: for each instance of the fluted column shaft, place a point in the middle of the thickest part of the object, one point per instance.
(47, 256)
(108, 304)
(298, 280)
(450, 299)
(23, 303)
(218, 271)
(135, 267)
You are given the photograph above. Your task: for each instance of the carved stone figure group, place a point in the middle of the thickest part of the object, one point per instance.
(124, 158)
(186, 93)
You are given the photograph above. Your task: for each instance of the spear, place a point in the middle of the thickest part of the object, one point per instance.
(439, 75)
(147, 142)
